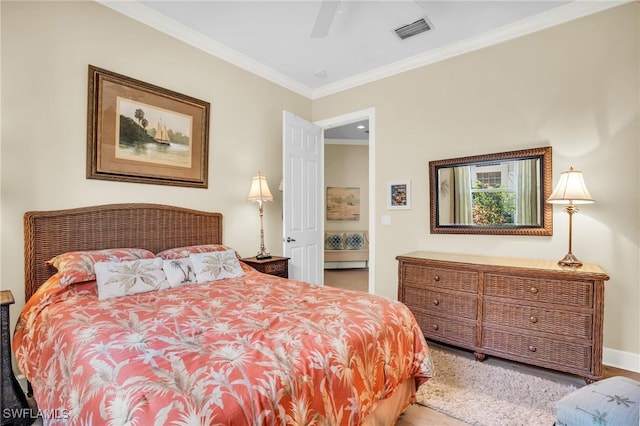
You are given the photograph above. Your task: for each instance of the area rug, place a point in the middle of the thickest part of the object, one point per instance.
(488, 395)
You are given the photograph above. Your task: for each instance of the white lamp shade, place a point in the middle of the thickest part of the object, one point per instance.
(259, 190)
(571, 189)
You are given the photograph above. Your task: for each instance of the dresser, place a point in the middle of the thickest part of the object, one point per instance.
(531, 311)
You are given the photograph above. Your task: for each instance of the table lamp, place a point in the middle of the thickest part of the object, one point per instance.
(570, 190)
(259, 192)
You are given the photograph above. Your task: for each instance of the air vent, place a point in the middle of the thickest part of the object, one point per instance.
(415, 28)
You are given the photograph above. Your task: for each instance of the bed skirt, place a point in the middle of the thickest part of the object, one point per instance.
(387, 411)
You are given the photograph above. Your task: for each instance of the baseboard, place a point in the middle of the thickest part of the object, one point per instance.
(620, 359)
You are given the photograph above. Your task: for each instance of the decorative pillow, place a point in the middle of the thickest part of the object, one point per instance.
(612, 401)
(181, 252)
(77, 266)
(354, 241)
(216, 265)
(116, 279)
(179, 271)
(333, 241)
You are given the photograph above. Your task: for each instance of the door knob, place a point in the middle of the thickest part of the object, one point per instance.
(289, 239)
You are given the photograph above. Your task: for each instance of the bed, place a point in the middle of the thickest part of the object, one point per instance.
(248, 349)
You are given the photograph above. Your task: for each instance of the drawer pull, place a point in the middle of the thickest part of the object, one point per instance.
(532, 348)
(436, 302)
(533, 319)
(435, 326)
(534, 290)
(436, 278)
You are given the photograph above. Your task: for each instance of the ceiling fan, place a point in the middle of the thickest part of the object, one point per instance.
(324, 19)
(327, 13)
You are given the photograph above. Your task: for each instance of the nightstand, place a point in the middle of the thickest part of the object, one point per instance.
(14, 403)
(275, 265)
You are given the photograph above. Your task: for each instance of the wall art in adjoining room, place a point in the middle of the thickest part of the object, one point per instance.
(343, 203)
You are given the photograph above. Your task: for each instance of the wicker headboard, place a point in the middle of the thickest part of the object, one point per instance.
(151, 226)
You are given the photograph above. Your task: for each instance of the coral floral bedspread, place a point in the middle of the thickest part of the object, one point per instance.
(254, 350)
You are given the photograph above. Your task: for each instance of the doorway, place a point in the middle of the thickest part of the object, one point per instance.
(342, 134)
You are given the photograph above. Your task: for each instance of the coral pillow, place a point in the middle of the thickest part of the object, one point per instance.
(181, 252)
(216, 265)
(78, 266)
(117, 279)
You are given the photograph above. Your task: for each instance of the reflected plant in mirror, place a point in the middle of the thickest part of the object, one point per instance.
(501, 193)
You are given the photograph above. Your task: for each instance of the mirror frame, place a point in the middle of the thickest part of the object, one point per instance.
(544, 229)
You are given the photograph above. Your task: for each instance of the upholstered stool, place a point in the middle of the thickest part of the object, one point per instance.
(613, 401)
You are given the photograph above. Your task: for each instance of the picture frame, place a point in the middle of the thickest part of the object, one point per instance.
(142, 133)
(399, 195)
(343, 203)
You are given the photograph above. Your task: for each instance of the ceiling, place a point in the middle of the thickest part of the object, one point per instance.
(353, 131)
(273, 38)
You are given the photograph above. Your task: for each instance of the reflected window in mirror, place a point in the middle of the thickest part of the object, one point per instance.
(500, 193)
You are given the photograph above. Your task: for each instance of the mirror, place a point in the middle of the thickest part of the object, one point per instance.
(499, 194)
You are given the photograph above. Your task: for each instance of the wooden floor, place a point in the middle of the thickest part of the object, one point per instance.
(350, 279)
(418, 415)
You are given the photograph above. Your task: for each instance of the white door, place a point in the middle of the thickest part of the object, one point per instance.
(302, 211)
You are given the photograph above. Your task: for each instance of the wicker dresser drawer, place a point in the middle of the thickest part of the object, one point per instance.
(438, 303)
(531, 311)
(564, 322)
(450, 279)
(563, 292)
(537, 350)
(447, 330)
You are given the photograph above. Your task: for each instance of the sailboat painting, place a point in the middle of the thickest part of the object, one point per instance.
(162, 136)
(142, 133)
(154, 135)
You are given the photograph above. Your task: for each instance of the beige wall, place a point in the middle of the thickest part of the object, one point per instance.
(46, 49)
(573, 87)
(347, 166)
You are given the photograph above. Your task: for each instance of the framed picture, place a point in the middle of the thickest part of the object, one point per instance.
(138, 132)
(399, 195)
(343, 203)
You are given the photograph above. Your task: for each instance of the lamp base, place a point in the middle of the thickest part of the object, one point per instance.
(263, 255)
(570, 260)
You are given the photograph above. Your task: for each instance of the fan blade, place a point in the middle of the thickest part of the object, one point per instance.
(423, 4)
(324, 19)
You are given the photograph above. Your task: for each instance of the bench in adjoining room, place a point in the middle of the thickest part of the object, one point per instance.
(343, 248)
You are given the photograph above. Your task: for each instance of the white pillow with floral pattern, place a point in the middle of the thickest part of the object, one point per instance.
(216, 265)
(117, 279)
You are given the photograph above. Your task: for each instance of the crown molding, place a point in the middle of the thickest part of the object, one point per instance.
(145, 15)
(363, 142)
(162, 23)
(571, 11)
